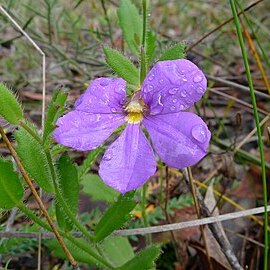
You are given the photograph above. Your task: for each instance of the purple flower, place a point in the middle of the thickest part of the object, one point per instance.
(179, 138)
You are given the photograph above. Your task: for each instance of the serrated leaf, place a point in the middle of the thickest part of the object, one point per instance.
(95, 187)
(122, 66)
(87, 163)
(78, 254)
(115, 216)
(150, 45)
(117, 249)
(68, 185)
(10, 108)
(144, 260)
(131, 24)
(34, 159)
(54, 111)
(11, 190)
(175, 52)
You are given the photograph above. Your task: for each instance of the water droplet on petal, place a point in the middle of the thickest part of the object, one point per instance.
(184, 79)
(181, 107)
(183, 93)
(198, 78)
(199, 133)
(148, 88)
(104, 82)
(199, 90)
(120, 90)
(161, 81)
(98, 117)
(173, 91)
(113, 109)
(172, 108)
(107, 157)
(151, 77)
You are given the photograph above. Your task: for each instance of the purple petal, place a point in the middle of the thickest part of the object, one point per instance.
(180, 139)
(129, 161)
(173, 86)
(85, 131)
(104, 95)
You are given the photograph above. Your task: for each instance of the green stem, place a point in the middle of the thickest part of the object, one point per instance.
(24, 125)
(75, 241)
(143, 60)
(144, 216)
(63, 203)
(257, 121)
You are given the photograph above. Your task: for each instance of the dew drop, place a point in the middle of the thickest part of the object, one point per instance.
(199, 90)
(198, 78)
(174, 99)
(161, 81)
(181, 107)
(104, 82)
(151, 77)
(199, 133)
(184, 79)
(173, 91)
(183, 93)
(113, 109)
(119, 90)
(148, 88)
(107, 157)
(172, 108)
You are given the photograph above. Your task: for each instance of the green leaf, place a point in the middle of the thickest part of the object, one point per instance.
(144, 260)
(150, 45)
(78, 254)
(95, 187)
(10, 108)
(11, 190)
(87, 163)
(54, 111)
(117, 249)
(122, 66)
(69, 188)
(34, 159)
(175, 52)
(115, 216)
(131, 24)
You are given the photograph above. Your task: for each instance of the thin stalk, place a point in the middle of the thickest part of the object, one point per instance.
(76, 242)
(143, 206)
(143, 60)
(257, 121)
(198, 212)
(265, 57)
(63, 202)
(37, 198)
(108, 22)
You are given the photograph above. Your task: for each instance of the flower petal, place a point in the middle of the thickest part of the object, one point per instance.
(104, 95)
(85, 131)
(180, 139)
(129, 161)
(173, 86)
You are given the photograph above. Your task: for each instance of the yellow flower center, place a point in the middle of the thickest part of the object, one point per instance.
(135, 112)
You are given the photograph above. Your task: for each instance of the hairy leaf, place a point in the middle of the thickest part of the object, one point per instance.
(95, 187)
(34, 159)
(118, 249)
(54, 111)
(69, 188)
(150, 45)
(131, 24)
(10, 108)
(11, 190)
(122, 66)
(175, 52)
(144, 260)
(90, 159)
(115, 216)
